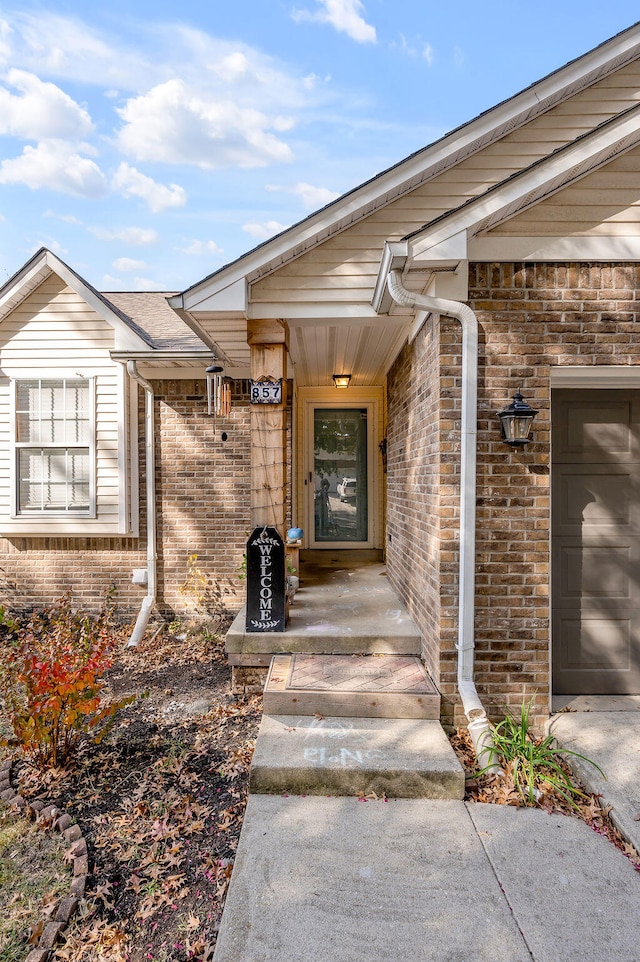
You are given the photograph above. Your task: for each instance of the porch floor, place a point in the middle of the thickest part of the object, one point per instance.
(344, 605)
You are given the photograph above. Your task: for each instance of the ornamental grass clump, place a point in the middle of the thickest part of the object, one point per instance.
(51, 678)
(535, 765)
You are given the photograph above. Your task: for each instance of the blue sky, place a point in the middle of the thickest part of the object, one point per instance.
(149, 143)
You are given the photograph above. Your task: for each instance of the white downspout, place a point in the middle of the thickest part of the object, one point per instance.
(479, 728)
(150, 471)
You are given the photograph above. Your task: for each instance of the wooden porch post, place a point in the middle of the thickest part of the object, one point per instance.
(267, 340)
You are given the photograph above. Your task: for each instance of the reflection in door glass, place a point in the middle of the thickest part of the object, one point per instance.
(340, 474)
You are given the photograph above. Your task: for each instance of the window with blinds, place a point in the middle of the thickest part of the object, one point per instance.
(54, 446)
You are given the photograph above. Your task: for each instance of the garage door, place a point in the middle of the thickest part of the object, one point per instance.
(596, 542)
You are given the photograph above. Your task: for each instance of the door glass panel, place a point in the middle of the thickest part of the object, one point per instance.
(340, 474)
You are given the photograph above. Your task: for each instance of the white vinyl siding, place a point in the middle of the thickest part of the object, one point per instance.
(605, 203)
(55, 334)
(344, 269)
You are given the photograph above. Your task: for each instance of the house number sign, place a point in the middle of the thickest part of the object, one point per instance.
(266, 391)
(265, 581)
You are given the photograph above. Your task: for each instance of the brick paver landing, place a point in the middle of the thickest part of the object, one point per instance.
(390, 673)
(378, 686)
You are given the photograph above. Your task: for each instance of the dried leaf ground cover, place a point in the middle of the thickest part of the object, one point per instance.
(160, 803)
(33, 877)
(501, 790)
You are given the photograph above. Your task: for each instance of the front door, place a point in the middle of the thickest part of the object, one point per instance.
(596, 542)
(339, 483)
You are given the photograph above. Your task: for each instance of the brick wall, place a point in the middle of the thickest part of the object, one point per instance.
(413, 487)
(531, 318)
(202, 499)
(203, 492)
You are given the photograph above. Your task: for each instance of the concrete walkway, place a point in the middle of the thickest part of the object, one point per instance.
(338, 880)
(335, 879)
(607, 730)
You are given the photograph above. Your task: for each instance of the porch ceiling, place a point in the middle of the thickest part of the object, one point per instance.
(364, 350)
(318, 348)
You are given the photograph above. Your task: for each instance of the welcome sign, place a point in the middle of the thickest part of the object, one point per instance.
(265, 581)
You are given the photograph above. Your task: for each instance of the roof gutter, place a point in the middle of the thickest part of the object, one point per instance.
(150, 472)
(479, 727)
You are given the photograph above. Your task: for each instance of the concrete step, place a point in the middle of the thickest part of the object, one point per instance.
(375, 686)
(308, 632)
(392, 757)
(342, 607)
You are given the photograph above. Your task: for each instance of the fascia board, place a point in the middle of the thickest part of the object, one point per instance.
(378, 320)
(151, 356)
(534, 184)
(46, 263)
(317, 309)
(394, 258)
(446, 253)
(124, 337)
(233, 297)
(193, 325)
(504, 117)
(23, 284)
(528, 248)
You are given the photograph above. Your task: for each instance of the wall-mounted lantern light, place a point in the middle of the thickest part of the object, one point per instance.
(341, 380)
(516, 420)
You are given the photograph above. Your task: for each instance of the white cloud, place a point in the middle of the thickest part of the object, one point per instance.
(344, 15)
(176, 124)
(417, 48)
(5, 46)
(53, 44)
(147, 284)
(127, 265)
(66, 218)
(458, 56)
(198, 247)
(231, 67)
(265, 230)
(312, 197)
(51, 244)
(137, 236)
(313, 80)
(111, 283)
(55, 165)
(131, 183)
(40, 110)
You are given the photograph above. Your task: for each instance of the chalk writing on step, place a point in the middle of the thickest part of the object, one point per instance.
(344, 757)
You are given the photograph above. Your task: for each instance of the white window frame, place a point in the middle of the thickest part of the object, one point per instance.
(34, 514)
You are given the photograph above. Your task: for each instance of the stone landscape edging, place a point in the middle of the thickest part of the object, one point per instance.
(46, 816)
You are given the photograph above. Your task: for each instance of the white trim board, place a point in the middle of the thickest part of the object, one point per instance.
(595, 377)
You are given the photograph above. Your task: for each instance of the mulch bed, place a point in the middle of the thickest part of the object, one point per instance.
(160, 803)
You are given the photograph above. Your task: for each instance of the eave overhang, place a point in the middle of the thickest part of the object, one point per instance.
(456, 237)
(41, 266)
(229, 285)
